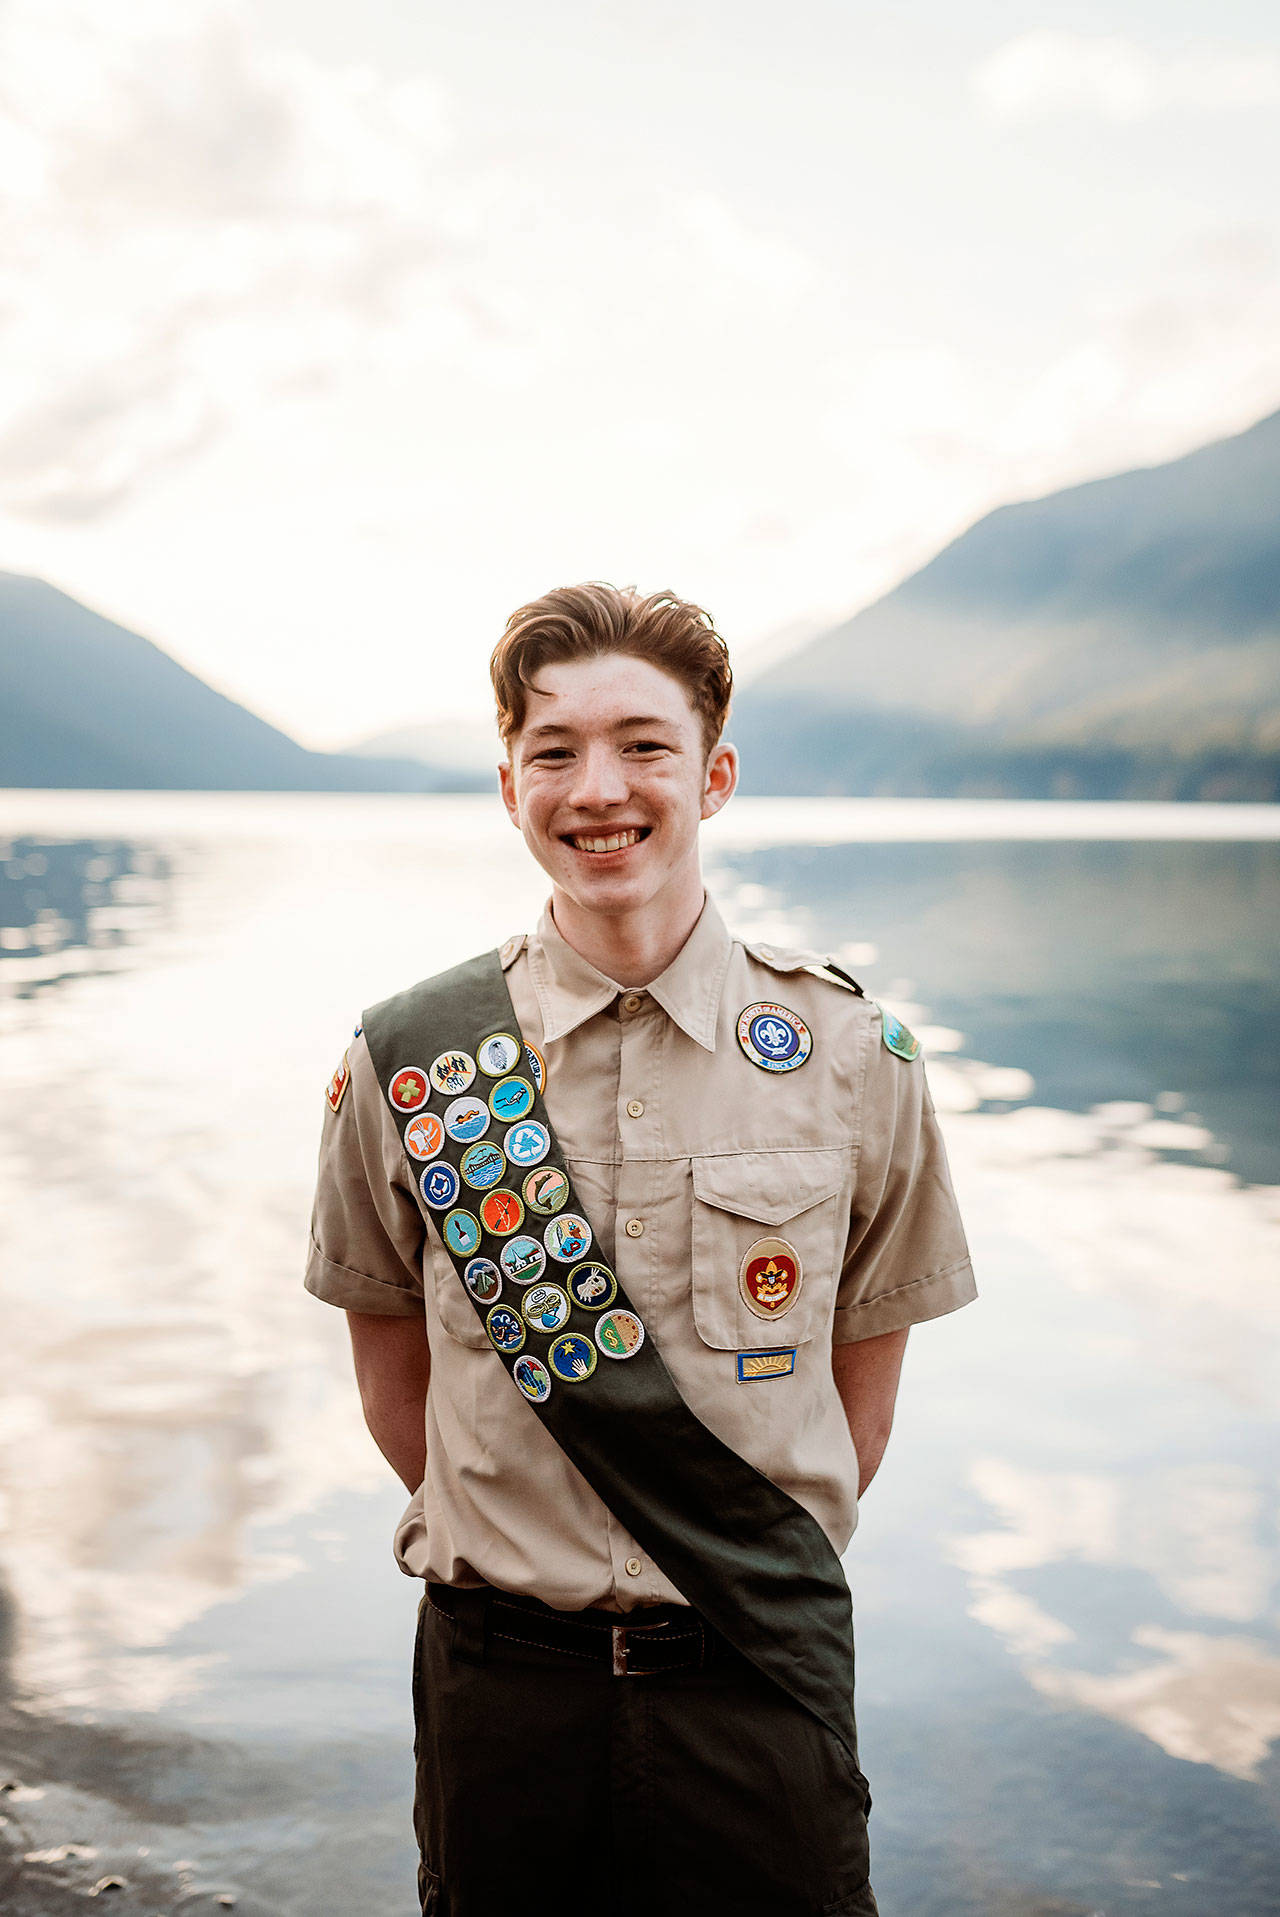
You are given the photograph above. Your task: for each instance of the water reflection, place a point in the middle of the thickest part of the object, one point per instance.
(66, 905)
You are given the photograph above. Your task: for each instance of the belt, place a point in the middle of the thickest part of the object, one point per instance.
(644, 1643)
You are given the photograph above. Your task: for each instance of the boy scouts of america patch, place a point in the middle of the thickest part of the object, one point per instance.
(896, 1036)
(338, 1084)
(774, 1038)
(769, 1277)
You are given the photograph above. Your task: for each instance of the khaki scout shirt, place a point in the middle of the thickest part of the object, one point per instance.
(684, 1154)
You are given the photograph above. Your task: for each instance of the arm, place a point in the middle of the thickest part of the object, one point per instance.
(393, 1369)
(866, 1374)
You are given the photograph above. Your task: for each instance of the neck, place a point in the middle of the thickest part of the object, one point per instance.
(632, 948)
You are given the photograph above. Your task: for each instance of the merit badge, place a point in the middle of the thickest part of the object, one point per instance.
(769, 1277)
(502, 1213)
(572, 1357)
(900, 1041)
(498, 1054)
(532, 1377)
(545, 1307)
(773, 1038)
(546, 1190)
(408, 1088)
(537, 1066)
(439, 1185)
(482, 1165)
(765, 1364)
(338, 1084)
(483, 1279)
(567, 1237)
(461, 1233)
(505, 1328)
(453, 1071)
(466, 1119)
(528, 1142)
(523, 1260)
(592, 1286)
(619, 1334)
(511, 1098)
(423, 1136)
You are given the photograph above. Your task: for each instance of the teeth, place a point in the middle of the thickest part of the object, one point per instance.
(614, 843)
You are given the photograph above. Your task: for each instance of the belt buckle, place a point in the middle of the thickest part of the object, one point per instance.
(620, 1650)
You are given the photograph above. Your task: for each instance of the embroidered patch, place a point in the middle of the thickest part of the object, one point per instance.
(572, 1357)
(545, 1307)
(545, 1191)
(423, 1137)
(765, 1364)
(453, 1071)
(466, 1119)
(769, 1277)
(498, 1054)
(528, 1142)
(619, 1334)
(532, 1377)
(774, 1038)
(502, 1212)
(900, 1041)
(567, 1238)
(408, 1088)
(461, 1233)
(523, 1260)
(338, 1084)
(511, 1098)
(439, 1185)
(505, 1328)
(482, 1165)
(592, 1286)
(483, 1280)
(537, 1066)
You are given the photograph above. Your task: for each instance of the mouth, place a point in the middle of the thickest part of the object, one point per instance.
(601, 842)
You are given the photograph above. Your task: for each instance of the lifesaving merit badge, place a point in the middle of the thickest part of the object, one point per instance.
(769, 1277)
(774, 1038)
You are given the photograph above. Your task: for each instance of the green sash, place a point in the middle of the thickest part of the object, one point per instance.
(755, 1563)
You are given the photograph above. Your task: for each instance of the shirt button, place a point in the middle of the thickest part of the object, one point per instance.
(634, 1567)
(632, 1002)
(635, 1108)
(634, 1227)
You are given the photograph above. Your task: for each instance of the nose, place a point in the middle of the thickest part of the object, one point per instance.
(599, 779)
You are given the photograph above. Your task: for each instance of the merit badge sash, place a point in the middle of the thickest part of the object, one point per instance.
(466, 1092)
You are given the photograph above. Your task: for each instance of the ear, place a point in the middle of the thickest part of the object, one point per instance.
(507, 787)
(720, 779)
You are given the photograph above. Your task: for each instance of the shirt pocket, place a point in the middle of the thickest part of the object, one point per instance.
(789, 1203)
(454, 1309)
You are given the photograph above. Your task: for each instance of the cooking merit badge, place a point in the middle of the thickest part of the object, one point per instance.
(424, 1137)
(439, 1185)
(408, 1088)
(572, 1357)
(453, 1072)
(775, 1039)
(896, 1036)
(769, 1277)
(523, 1260)
(532, 1377)
(619, 1334)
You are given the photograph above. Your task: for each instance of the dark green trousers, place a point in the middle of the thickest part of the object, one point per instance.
(546, 1784)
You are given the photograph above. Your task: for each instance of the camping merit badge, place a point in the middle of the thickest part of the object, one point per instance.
(769, 1277)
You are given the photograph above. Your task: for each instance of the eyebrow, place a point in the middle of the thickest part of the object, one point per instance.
(551, 731)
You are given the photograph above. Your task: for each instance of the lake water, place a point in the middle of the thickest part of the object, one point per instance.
(1067, 1574)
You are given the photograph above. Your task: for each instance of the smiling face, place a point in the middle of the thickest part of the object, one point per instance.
(608, 781)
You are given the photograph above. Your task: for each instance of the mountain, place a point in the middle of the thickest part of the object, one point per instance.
(1119, 639)
(466, 749)
(85, 702)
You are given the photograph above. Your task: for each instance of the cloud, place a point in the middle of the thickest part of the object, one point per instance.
(1107, 75)
(190, 220)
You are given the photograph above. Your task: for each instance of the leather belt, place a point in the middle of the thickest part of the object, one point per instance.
(644, 1643)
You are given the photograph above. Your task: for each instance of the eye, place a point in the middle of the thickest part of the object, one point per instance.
(551, 755)
(648, 745)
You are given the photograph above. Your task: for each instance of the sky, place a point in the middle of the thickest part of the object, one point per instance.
(330, 336)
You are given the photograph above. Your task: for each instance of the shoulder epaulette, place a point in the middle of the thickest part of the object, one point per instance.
(798, 961)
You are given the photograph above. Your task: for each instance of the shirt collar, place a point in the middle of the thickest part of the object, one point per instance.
(570, 990)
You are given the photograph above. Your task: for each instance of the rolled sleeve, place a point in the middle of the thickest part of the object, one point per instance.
(367, 1232)
(906, 1258)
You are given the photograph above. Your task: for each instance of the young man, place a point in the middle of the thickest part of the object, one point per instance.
(650, 1211)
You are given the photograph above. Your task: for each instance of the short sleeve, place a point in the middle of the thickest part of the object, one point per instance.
(367, 1232)
(906, 1258)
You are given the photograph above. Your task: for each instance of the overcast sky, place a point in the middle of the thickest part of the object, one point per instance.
(331, 334)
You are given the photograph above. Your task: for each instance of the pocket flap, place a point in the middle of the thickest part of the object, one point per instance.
(769, 1186)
